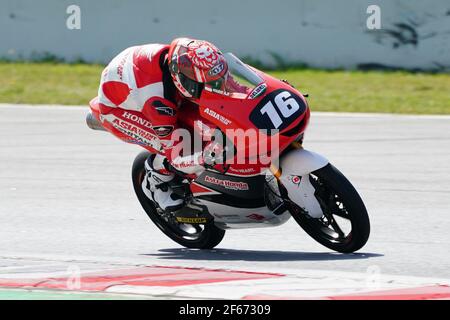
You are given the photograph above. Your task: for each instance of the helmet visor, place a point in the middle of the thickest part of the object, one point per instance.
(219, 84)
(193, 87)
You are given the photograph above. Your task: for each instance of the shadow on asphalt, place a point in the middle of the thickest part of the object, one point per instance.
(255, 255)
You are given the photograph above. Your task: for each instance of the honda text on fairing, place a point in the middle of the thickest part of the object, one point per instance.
(235, 195)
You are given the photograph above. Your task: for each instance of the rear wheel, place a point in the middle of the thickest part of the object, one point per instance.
(345, 226)
(199, 236)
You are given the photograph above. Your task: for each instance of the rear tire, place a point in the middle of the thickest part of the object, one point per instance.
(338, 190)
(210, 235)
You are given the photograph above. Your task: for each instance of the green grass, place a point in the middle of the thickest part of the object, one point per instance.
(373, 91)
(351, 91)
(48, 83)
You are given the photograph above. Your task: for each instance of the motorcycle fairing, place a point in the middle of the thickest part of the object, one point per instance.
(232, 190)
(227, 217)
(232, 208)
(296, 166)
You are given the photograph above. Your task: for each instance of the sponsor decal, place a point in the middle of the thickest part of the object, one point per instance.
(141, 136)
(165, 111)
(133, 141)
(136, 119)
(217, 116)
(259, 90)
(184, 164)
(216, 69)
(191, 220)
(227, 184)
(121, 64)
(296, 180)
(242, 171)
(163, 131)
(255, 216)
(162, 109)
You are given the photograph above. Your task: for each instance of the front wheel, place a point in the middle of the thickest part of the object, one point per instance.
(344, 226)
(198, 236)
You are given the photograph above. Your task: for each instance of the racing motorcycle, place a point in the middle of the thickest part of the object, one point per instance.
(301, 184)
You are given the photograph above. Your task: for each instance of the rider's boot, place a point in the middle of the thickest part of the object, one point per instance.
(156, 185)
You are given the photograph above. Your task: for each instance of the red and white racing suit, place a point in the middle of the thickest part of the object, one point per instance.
(139, 103)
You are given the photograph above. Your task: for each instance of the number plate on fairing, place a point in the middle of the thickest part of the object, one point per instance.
(277, 110)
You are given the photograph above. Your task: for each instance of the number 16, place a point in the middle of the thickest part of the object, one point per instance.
(286, 105)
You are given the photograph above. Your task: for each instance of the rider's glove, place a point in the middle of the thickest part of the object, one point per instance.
(186, 166)
(193, 165)
(213, 154)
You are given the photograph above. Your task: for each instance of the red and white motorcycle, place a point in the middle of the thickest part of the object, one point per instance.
(302, 185)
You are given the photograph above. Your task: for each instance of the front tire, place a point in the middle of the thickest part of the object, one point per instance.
(205, 236)
(337, 198)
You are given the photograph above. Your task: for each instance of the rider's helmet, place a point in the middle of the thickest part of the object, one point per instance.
(194, 63)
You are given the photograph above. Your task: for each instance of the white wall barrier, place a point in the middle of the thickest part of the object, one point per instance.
(413, 34)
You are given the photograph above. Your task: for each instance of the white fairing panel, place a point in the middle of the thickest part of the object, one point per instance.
(295, 167)
(240, 218)
(301, 162)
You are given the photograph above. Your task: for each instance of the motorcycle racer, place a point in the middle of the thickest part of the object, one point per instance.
(140, 94)
(152, 94)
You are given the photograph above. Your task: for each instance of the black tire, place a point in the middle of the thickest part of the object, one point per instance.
(331, 180)
(209, 237)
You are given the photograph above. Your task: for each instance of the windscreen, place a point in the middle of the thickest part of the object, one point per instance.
(239, 82)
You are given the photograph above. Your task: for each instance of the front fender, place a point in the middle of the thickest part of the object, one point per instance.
(301, 162)
(295, 169)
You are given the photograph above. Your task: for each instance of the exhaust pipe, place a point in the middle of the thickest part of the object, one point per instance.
(93, 123)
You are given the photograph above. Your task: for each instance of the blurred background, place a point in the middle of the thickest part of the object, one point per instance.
(408, 40)
(325, 34)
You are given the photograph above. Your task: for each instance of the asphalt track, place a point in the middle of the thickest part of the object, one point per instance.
(66, 199)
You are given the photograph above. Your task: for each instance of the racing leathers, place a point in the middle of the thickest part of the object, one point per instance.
(139, 104)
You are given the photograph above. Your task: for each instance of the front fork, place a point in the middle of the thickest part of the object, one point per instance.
(293, 174)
